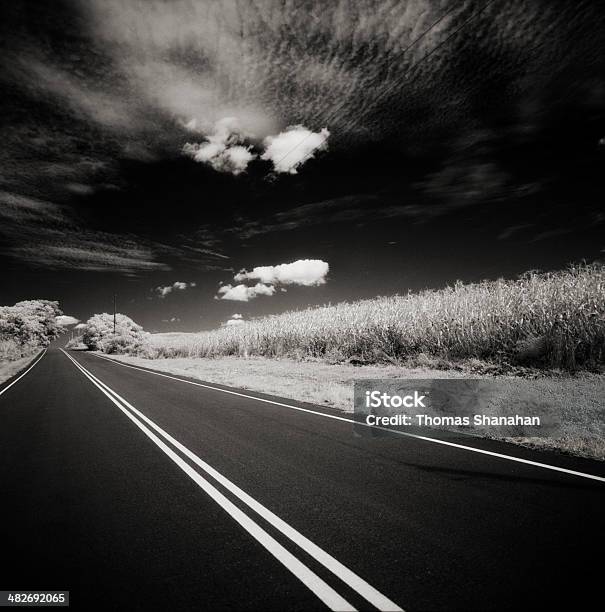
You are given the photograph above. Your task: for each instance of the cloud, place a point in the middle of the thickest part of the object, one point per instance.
(171, 320)
(242, 293)
(292, 148)
(223, 148)
(176, 286)
(91, 255)
(306, 272)
(236, 319)
(226, 147)
(232, 322)
(44, 234)
(65, 320)
(84, 98)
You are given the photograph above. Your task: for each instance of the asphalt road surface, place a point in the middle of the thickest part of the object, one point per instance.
(137, 491)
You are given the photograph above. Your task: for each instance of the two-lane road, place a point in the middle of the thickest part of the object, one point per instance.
(140, 491)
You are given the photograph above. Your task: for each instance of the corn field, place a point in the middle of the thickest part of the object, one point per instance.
(552, 320)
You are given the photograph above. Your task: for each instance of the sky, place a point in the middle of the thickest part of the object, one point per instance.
(202, 159)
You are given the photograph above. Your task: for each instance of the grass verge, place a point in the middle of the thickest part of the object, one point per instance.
(8, 368)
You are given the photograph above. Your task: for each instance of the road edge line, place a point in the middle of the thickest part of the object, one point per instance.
(37, 358)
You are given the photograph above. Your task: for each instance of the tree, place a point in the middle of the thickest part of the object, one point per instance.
(99, 335)
(30, 322)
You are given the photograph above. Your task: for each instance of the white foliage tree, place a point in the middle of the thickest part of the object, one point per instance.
(98, 335)
(32, 322)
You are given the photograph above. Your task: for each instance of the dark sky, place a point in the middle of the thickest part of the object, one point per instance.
(464, 141)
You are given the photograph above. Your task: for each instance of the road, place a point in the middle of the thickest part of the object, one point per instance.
(136, 491)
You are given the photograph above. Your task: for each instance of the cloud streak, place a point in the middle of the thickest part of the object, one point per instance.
(44, 234)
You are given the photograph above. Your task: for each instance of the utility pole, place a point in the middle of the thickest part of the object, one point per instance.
(114, 313)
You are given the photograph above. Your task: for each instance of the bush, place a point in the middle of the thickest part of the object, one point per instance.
(99, 335)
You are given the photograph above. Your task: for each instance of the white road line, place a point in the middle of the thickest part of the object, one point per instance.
(328, 595)
(367, 591)
(546, 466)
(24, 373)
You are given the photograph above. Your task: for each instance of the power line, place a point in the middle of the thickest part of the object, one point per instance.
(398, 81)
(424, 57)
(404, 51)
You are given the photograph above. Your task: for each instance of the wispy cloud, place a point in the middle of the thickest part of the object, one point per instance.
(93, 256)
(103, 107)
(44, 234)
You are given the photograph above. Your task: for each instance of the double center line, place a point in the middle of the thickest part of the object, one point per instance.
(169, 445)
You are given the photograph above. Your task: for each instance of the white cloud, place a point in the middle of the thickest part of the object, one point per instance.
(171, 320)
(232, 322)
(176, 286)
(292, 148)
(242, 293)
(223, 149)
(307, 272)
(236, 319)
(65, 320)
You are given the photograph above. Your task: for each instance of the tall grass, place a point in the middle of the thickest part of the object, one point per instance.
(553, 319)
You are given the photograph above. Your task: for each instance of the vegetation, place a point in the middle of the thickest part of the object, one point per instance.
(554, 320)
(98, 335)
(27, 326)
